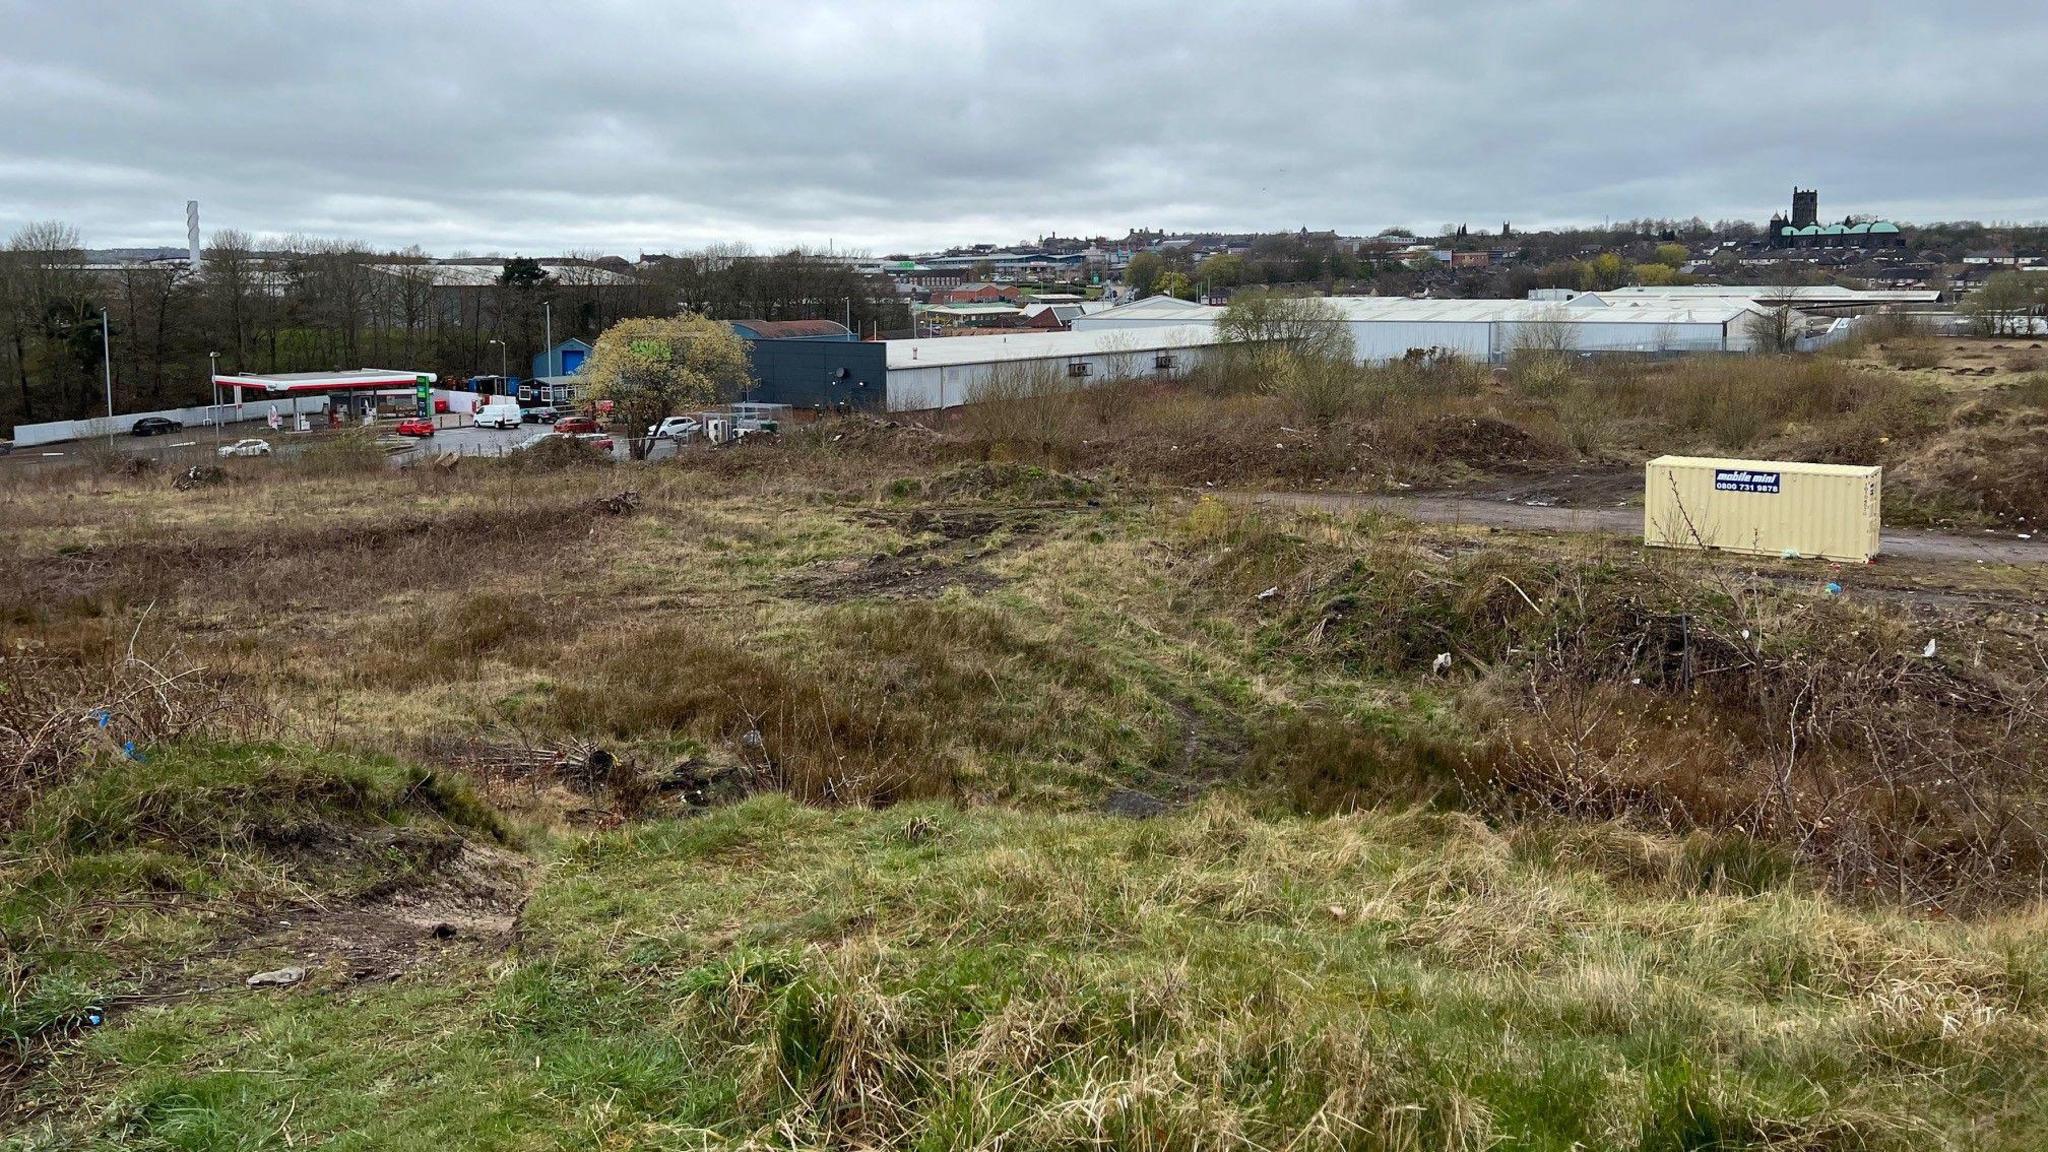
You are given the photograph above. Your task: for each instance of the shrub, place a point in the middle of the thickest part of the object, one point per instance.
(1912, 354)
(354, 452)
(1031, 408)
(555, 454)
(1731, 403)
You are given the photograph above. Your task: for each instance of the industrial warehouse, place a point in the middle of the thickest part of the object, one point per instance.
(1162, 337)
(1388, 328)
(948, 371)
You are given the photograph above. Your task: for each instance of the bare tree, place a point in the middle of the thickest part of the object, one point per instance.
(231, 287)
(43, 261)
(1261, 330)
(1776, 325)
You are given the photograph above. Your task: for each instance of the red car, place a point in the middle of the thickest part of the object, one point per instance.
(572, 425)
(416, 426)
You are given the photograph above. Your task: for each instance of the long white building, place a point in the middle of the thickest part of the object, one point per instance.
(1810, 297)
(1388, 327)
(945, 372)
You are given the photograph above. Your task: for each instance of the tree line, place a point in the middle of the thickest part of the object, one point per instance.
(304, 304)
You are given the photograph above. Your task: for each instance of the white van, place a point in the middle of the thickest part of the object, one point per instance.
(504, 414)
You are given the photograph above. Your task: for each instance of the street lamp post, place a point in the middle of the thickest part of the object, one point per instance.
(213, 383)
(107, 361)
(547, 311)
(503, 365)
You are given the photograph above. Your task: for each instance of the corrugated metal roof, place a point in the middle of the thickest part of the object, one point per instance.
(953, 350)
(792, 329)
(1161, 308)
(1808, 293)
(1400, 310)
(1403, 310)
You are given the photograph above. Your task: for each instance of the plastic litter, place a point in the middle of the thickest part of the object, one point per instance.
(276, 978)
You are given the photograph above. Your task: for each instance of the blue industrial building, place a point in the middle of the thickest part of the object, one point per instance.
(814, 365)
(565, 359)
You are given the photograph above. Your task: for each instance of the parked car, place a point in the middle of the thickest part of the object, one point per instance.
(576, 425)
(246, 448)
(154, 426)
(596, 440)
(417, 426)
(505, 414)
(540, 414)
(674, 428)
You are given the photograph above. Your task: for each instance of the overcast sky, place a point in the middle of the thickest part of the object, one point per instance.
(631, 125)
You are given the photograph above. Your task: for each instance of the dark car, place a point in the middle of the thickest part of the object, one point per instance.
(154, 426)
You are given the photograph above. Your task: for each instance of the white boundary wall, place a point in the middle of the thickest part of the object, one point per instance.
(199, 416)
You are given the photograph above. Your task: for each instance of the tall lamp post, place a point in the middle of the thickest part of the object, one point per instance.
(504, 381)
(547, 311)
(213, 383)
(107, 361)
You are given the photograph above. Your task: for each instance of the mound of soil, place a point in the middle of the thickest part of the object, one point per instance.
(556, 454)
(955, 557)
(868, 434)
(1479, 441)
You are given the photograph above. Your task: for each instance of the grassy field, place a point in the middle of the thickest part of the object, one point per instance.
(874, 789)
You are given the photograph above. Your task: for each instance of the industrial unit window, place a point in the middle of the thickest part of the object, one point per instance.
(1163, 361)
(1080, 368)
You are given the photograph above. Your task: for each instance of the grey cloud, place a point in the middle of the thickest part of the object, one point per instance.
(524, 126)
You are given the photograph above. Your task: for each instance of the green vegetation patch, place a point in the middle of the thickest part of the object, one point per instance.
(937, 977)
(114, 878)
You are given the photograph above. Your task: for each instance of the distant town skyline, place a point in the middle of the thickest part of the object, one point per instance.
(882, 128)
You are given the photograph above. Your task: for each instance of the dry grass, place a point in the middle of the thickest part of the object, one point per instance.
(1731, 404)
(1631, 685)
(1053, 649)
(1551, 904)
(1989, 464)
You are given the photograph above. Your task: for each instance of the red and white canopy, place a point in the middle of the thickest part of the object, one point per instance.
(299, 383)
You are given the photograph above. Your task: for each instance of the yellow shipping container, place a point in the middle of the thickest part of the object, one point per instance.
(1765, 507)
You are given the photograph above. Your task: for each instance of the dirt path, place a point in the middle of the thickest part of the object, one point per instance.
(1990, 548)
